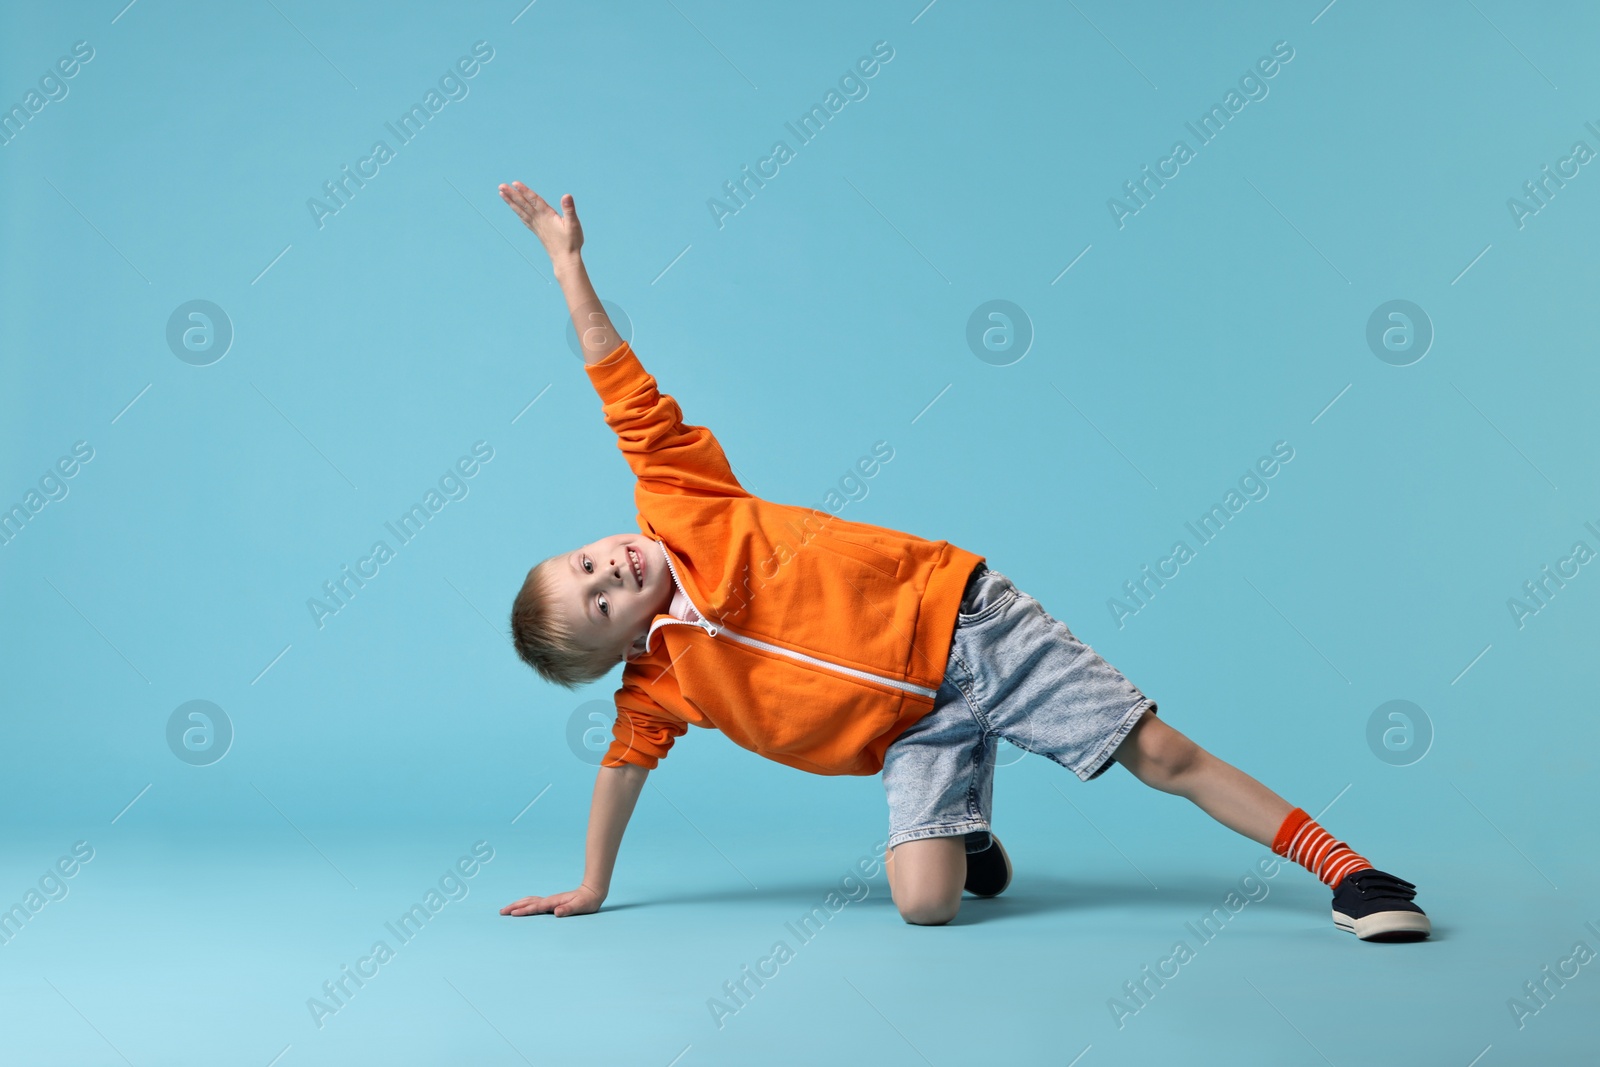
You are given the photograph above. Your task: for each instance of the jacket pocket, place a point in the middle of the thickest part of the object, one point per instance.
(861, 552)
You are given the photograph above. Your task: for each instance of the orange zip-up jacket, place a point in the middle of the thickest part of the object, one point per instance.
(821, 640)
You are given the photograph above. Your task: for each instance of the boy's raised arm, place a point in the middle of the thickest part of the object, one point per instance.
(666, 454)
(562, 237)
(616, 791)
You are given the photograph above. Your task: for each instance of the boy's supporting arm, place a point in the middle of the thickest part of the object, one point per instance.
(616, 790)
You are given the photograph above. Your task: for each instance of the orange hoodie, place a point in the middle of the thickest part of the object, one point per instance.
(821, 640)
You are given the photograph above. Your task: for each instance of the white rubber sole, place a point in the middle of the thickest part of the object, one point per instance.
(1386, 925)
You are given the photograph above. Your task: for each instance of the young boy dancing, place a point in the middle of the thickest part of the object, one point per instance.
(838, 647)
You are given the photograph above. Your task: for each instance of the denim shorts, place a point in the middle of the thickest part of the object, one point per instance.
(1015, 673)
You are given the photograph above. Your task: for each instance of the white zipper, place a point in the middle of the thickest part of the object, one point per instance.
(703, 624)
(867, 675)
(743, 639)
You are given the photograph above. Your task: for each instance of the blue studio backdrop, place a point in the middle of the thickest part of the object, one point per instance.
(1253, 340)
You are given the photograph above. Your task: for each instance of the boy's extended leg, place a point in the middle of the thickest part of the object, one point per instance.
(1372, 904)
(1165, 759)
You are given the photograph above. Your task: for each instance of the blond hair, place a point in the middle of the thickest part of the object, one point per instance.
(545, 641)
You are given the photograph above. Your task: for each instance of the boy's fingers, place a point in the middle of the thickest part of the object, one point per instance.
(511, 198)
(525, 906)
(520, 195)
(525, 213)
(529, 201)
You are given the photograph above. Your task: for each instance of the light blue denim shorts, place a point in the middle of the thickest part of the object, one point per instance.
(1015, 673)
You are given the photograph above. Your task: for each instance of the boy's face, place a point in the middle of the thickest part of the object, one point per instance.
(609, 591)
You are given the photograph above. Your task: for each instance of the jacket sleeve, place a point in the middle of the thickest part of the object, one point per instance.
(666, 455)
(643, 732)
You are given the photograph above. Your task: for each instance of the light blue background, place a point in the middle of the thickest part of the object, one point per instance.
(1228, 314)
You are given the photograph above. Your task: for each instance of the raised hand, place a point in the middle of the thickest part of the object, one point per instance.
(561, 234)
(579, 901)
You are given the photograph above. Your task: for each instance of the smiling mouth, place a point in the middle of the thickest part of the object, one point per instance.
(636, 562)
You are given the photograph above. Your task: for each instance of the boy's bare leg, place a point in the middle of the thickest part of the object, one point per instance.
(1165, 759)
(925, 878)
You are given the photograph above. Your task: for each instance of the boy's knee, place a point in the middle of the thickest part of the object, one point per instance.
(1179, 757)
(927, 910)
(926, 879)
(1164, 756)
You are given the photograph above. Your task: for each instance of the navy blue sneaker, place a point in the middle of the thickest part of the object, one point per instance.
(989, 871)
(1376, 906)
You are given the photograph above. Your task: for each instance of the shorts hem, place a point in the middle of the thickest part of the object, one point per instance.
(950, 830)
(1102, 759)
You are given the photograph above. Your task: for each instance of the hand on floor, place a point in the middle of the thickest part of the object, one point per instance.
(579, 901)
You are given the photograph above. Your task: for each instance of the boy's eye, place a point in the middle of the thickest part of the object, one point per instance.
(605, 609)
(587, 566)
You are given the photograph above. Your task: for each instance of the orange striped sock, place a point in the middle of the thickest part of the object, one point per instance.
(1312, 847)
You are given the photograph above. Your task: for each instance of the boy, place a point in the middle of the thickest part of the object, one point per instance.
(841, 648)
